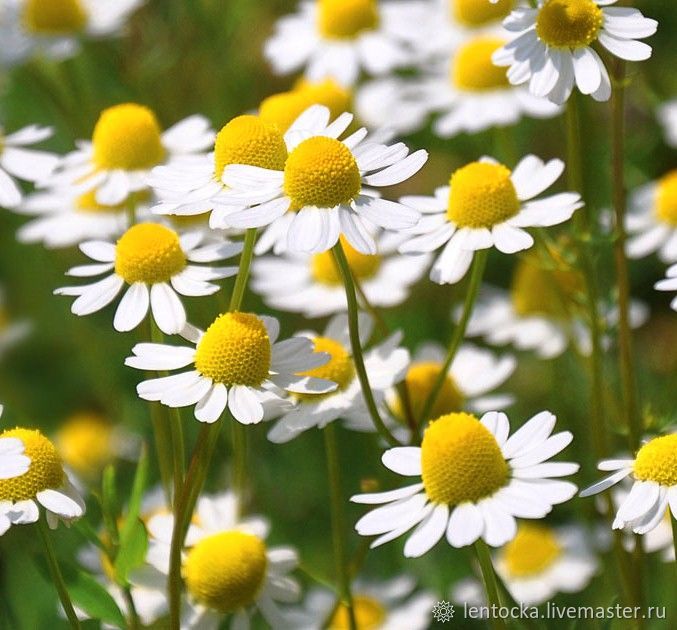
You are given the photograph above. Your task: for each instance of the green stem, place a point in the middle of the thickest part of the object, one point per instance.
(358, 358)
(243, 273)
(57, 576)
(476, 275)
(238, 436)
(489, 578)
(133, 621)
(131, 209)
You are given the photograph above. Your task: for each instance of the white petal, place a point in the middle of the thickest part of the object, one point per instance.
(244, 405)
(404, 460)
(168, 311)
(212, 405)
(133, 308)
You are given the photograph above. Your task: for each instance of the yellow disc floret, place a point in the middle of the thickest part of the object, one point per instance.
(482, 195)
(657, 461)
(666, 199)
(226, 571)
(127, 137)
(85, 442)
(249, 140)
(532, 551)
(346, 19)
(569, 23)
(324, 270)
(340, 368)
(369, 614)
(235, 350)
(472, 68)
(475, 13)
(321, 172)
(461, 460)
(54, 17)
(149, 253)
(45, 471)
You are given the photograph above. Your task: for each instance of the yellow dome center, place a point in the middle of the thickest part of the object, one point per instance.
(85, 443)
(666, 199)
(482, 195)
(475, 13)
(150, 253)
(127, 137)
(657, 461)
(569, 23)
(461, 460)
(324, 270)
(235, 350)
(54, 17)
(226, 571)
(369, 614)
(340, 368)
(532, 551)
(346, 19)
(45, 471)
(472, 69)
(252, 141)
(321, 172)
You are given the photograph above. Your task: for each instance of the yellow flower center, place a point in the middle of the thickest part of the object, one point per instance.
(127, 137)
(482, 195)
(321, 172)
(226, 571)
(340, 368)
(657, 461)
(149, 253)
(369, 614)
(235, 350)
(324, 270)
(87, 203)
(54, 17)
(45, 472)
(472, 68)
(346, 19)
(569, 23)
(252, 141)
(85, 443)
(666, 199)
(461, 460)
(532, 551)
(475, 13)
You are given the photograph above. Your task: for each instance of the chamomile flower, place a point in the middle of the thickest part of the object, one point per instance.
(385, 364)
(237, 363)
(552, 46)
(667, 115)
(45, 484)
(313, 285)
(653, 472)
(155, 263)
(18, 162)
(475, 480)
(340, 38)
(126, 144)
(487, 205)
(669, 284)
(652, 220)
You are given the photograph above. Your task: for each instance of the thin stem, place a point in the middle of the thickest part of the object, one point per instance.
(133, 621)
(358, 358)
(476, 275)
(243, 273)
(489, 578)
(131, 209)
(238, 436)
(57, 576)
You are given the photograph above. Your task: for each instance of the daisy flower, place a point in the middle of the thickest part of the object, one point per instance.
(237, 362)
(487, 205)
(475, 480)
(385, 364)
(126, 144)
(313, 285)
(653, 472)
(669, 284)
(155, 263)
(45, 484)
(18, 162)
(652, 220)
(552, 46)
(339, 38)
(667, 115)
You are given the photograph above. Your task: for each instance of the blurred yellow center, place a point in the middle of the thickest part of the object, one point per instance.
(88, 204)
(657, 461)
(149, 253)
(252, 141)
(569, 23)
(475, 13)
(346, 19)
(321, 172)
(54, 17)
(666, 199)
(45, 471)
(235, 350)
(340, 368)
(532, 551)
(85, 443)
(369, 614)
(482, 195)
(472, 68)
(127, 137)
(226, 571)
(324, 270)
(461, 460)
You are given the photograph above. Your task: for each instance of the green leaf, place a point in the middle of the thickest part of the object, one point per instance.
(91, 597)
(132, 550)
(109, 502)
